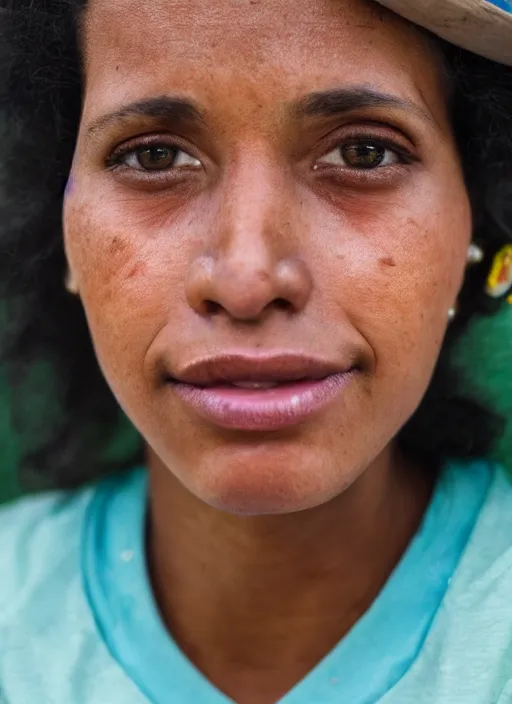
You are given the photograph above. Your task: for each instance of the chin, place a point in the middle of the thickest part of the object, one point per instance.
(265, 480)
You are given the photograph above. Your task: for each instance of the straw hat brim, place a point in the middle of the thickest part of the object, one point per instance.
(481, 26)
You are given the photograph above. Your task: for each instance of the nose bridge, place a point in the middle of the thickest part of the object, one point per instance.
(251, 264)
(254, 223)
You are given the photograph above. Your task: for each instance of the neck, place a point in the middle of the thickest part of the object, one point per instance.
(274, 594)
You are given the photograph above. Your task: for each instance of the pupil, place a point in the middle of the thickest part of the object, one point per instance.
(364, 156)
(157, 157)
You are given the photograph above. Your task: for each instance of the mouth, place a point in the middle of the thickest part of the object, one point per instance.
(260, 393)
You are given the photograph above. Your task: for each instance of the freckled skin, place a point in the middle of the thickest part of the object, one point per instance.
(376, 265)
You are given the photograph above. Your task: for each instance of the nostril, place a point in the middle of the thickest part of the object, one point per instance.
(212, 308)
(282, 304)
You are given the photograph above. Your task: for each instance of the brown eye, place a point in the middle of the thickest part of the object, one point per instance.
(363, 155)
(157, 157)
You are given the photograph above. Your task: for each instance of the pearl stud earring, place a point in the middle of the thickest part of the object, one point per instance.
(475, 254)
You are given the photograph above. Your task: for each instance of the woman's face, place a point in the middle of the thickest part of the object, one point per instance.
(264, 191)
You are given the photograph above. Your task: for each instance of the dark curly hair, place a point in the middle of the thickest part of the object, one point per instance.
(71, 428)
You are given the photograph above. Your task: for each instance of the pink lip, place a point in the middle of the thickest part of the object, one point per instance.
(283, 406)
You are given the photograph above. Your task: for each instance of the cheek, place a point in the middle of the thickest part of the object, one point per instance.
(129, 284)
(397, 271)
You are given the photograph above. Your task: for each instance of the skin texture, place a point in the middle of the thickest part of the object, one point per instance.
(262, 241)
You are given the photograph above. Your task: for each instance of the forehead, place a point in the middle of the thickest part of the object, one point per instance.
(137, 49)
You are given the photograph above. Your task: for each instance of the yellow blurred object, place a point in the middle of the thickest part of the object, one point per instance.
(499, 281)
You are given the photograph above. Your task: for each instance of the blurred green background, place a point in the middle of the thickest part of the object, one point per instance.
(484, 354)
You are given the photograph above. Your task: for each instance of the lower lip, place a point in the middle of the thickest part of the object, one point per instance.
(283, 406)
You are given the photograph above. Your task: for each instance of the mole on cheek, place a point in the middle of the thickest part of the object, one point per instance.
(387, 261)
(116, 245)
(124, 259)
(136, 269)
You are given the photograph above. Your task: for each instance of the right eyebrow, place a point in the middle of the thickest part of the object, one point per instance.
(163, 109)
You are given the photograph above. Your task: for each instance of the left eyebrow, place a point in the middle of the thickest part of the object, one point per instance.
(345, 100)
(166, 109)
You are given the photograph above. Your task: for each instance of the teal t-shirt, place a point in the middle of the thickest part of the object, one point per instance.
(78, 624)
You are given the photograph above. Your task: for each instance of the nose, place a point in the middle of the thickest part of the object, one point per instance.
(251, 266)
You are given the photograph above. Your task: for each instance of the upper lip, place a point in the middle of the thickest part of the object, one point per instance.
(233, 368)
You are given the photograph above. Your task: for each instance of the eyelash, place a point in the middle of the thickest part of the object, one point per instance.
(119, 154)
(117, 158)
(404, 154)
